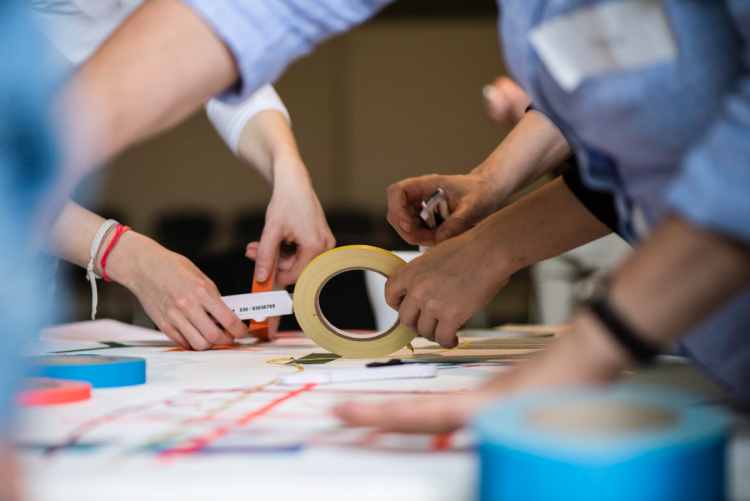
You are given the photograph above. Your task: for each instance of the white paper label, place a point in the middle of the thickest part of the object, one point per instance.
(614, 36)
(260, 305)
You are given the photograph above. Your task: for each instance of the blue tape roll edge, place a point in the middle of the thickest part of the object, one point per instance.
(523, 461)
(102, 372)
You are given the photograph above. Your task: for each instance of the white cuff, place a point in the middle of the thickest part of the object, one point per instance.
(230, 120)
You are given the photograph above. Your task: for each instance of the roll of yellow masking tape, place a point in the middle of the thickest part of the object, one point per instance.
(307, 303)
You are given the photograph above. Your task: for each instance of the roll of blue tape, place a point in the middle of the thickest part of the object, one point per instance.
(592, 444)
(100, 371)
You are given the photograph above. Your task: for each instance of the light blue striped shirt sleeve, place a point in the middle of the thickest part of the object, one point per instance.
(265, 36)
(712, 189)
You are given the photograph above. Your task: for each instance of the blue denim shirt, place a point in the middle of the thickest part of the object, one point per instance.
(671, 137)
(668, 137)
(28, 162)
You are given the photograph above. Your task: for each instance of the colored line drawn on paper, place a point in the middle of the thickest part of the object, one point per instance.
(198, 443)
(204, 443)
(183, 427)
(442, 442)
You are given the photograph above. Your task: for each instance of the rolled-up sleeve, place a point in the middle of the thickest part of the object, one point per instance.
(713, 187)
(229, 120)
(265, 36)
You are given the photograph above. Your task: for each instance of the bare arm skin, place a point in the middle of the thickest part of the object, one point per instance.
(294, 215)
(439, 291)
(679, 277)
(153, 72)
(533, 148)
(174, 292)
(156, 69)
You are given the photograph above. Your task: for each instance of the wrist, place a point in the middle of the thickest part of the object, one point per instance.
(288, 169)
(493, 176)
(603, 357)
(123, 259)
(498, 257)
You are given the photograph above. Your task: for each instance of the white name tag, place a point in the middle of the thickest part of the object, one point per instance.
(613, 36)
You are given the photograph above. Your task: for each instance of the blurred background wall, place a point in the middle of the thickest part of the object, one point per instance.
(396, 98)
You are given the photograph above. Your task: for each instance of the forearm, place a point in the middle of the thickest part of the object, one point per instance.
(541, 225)
(680, 276)
(267, 143)
(534, 147)
(677, 279)
(72, 234)
(76, 228)
(156, 69)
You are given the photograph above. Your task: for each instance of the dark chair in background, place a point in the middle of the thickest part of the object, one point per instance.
(186, 233)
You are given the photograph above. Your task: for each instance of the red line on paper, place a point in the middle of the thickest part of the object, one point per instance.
(196, 444)
(442, 442)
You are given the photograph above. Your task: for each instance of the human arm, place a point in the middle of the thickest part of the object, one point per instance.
(660, 291)
(439, 291)
(170, 56)
(258, 131)
(176, 295)
(505, 101)
(533, 148)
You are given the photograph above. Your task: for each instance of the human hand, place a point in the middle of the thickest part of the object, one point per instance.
(585, 354)
(471, 198)
(505, 101)
(436, 293)
(178, 297)
(295, 225)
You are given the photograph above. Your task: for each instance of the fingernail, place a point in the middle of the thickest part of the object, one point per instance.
(261, 274)
(445, 235)
(405, 225)
(488, 91)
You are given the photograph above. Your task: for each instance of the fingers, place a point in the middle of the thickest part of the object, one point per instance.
(268, 251)
(173, 334)
(191, 334)
(212, 303)
(445, 335)
(426, 325)
(307, 250)
(428, 415)
(457, 223)
(395, 290)
(404, 200)
(251, 251)
(210, 331)
(409, 316)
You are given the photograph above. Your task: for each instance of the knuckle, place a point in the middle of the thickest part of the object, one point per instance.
(202, 290)
(213, 335)
(318, 242)
(432, 306)
(418, 293)
(202, 345)
(182, 303)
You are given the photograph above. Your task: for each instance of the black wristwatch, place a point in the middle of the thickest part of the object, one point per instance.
(596, 300)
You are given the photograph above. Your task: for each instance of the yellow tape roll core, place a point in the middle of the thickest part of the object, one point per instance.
(307, 302)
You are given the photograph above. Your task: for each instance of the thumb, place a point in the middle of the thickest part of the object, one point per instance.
(456, 224)
(268, 250)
